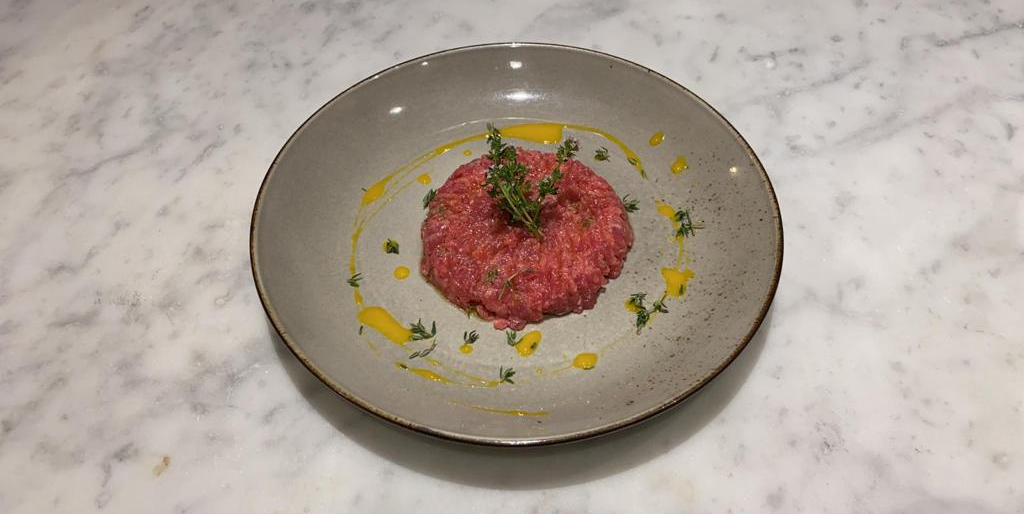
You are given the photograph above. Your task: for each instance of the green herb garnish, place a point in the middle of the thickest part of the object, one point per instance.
(637, 300)
(601, 154)
(360, 330)
(686, 225)
(424, 352)
(636, 162)
(470, 337)
(659, 306)
(429, 196)
(505, 375)
(507, 181)
(354, 281)
(643, 314)
(391, 246)
(642, 317)
(491, 275)
(567, 150)
(419, 332)
(510, 338)
(631, 204)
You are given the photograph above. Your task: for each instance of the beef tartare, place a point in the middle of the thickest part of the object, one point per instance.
(481, 261)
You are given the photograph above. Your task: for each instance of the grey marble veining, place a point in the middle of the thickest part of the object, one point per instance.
(139, 375)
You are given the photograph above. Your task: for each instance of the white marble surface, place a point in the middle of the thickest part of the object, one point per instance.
(889, 377)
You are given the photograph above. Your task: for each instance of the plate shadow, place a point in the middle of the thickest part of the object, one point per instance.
(527, 468)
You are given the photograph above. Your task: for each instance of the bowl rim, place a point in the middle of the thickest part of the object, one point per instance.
(499, 441)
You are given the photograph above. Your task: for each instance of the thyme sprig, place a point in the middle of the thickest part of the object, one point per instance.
(424, 352)
(419, 332)
(428, 198)
(631, 204)
(506, 181)
(686, 225)
(643, 314)
(505, 375)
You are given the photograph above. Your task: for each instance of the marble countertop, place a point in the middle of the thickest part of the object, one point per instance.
(139, 375)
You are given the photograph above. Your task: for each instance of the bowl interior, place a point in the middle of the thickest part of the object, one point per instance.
(312, 195)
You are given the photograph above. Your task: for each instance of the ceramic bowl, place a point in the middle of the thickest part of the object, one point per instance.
(405, 123)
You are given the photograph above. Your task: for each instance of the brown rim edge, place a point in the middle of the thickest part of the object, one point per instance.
(498, 442)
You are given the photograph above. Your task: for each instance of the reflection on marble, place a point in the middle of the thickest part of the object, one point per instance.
(136, 366)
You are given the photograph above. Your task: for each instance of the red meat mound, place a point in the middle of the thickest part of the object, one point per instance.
(479, 261)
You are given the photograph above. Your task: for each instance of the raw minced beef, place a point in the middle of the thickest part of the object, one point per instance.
(479, 261)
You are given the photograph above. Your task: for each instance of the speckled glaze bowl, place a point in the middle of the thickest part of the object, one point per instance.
(311, 201)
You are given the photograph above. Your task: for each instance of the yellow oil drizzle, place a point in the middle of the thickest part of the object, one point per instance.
(379, 319)
(474, 381)
(543, 133)
(469, 380)
(425, 373)
(528, 343)
(387, 199)
(448, 146)
(675, 280)
(466, 348)
(357, 231)
(467, 152)
(585, 361)
(376, 190)
(396, 176)
(669, 212)
(666, 210)
(676, 277)
(508, 412)
(550, 133)
(679, 165)
(656, 138)
(631, 156)
(356, 296)
(423, 179)
(401, 273)
(437, 377)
